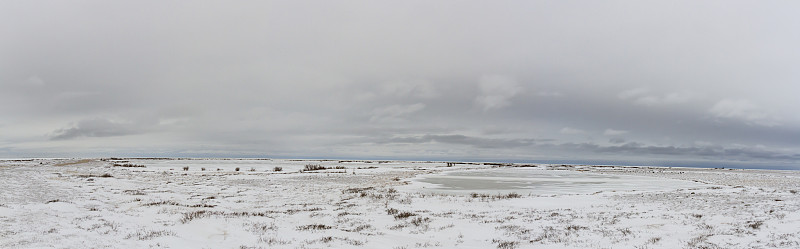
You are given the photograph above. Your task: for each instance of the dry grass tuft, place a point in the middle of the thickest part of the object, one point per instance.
(314, 227)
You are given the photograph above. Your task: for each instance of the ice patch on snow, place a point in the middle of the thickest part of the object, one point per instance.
(539, 181)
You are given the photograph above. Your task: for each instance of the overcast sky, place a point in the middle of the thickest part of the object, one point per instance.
(598, 81)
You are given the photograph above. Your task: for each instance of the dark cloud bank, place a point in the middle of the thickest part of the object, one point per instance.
(681, 83)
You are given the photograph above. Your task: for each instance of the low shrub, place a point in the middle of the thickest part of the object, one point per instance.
(497, 196)
(149, 235)
(314, 227)
(506, 244)
(419, 221)
(403, 215)
(133, 192)
(356, 190)
(312, 167)
(755, 224)
(128, 165)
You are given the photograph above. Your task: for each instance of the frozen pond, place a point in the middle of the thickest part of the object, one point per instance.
(540, 181)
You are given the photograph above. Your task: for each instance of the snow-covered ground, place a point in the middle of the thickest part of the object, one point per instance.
(538, 181)
(89, 203)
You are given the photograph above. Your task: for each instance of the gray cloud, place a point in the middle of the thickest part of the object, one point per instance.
(568, 130)
(616, 140)
(719, 153)
(744, 110)
(359, 79)
(496, 92)
(460, 140)
(613, 132)
(394, 112)
(95, 128)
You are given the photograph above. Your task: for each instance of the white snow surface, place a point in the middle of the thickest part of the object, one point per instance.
(538, 181)
(90, 203)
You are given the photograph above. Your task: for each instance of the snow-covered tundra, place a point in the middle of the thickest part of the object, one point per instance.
(246, 203)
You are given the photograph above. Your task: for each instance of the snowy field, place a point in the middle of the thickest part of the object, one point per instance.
(91, 203)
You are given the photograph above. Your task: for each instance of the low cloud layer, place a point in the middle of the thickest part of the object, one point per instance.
(517, 81)
(496, 92)
(477, 142)
(95, 128)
